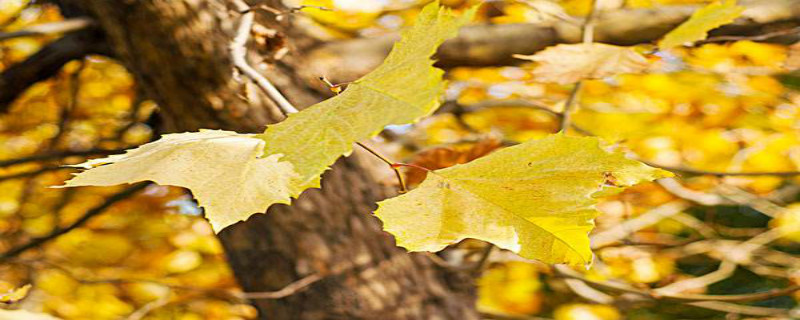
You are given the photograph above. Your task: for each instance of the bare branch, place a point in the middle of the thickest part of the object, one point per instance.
(238, 50)
(47, 62)
(32, 173)
(713, 302)
(286, 291)
(692, 171)
(647, 219)
(63, 26)
(58, 155)
(36, 242)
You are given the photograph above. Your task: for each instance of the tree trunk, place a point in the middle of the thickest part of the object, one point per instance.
(178, 51)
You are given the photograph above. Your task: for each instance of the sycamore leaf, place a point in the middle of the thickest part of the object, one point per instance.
(224, 170)
(701, 22)
(403, 89)
(234, 176)
(535, 199)
(570, 63)
(15, 295)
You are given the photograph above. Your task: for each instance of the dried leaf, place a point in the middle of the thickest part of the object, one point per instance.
(570, 63)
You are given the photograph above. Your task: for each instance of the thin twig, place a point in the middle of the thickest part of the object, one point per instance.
(622, 230)
(569, 105)
(238, 49)
(393, 165)
(484, 258)
(677, 189)
(33, 173)
(286, 291)
(620, 287)
(36, 242)
(725, 270)
(63, 26)
(149, 307)
(587, 33)
(699, 172)
(58, 155)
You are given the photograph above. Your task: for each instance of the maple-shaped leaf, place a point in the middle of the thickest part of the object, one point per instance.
(570, 63)
(403, 89)
(15, 295)
(224, 170)
(234, 176)
(701, 22)
(535, 199)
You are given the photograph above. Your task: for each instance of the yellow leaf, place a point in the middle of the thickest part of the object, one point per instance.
(225, 171)
(15, 295)
(534, 199)
(701, 22)
(403, 89)
(570, 63)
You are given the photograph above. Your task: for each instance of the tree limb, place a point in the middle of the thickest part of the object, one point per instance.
(63, 26)
(47, 62)
(58, 155)
(36, 242)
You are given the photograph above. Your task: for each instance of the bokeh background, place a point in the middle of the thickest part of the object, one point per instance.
(718, 107)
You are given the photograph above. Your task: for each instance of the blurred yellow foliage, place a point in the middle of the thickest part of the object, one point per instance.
(579, 311)
(512, 288)
(717, 106)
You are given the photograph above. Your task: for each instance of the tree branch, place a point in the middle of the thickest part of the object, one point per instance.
(57, 155)
(238, 50)
(47, 62)
(36, 242)
(63, 26)
(713, 302)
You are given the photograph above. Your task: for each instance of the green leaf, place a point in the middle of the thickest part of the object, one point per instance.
(234, 176)
(224, 170)
(403, 89)
(535, 199)
(701, 22)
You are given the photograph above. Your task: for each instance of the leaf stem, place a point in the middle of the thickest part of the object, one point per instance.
(392, 165)
(398, 164)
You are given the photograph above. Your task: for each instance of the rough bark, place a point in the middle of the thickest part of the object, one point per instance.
(178, 50)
